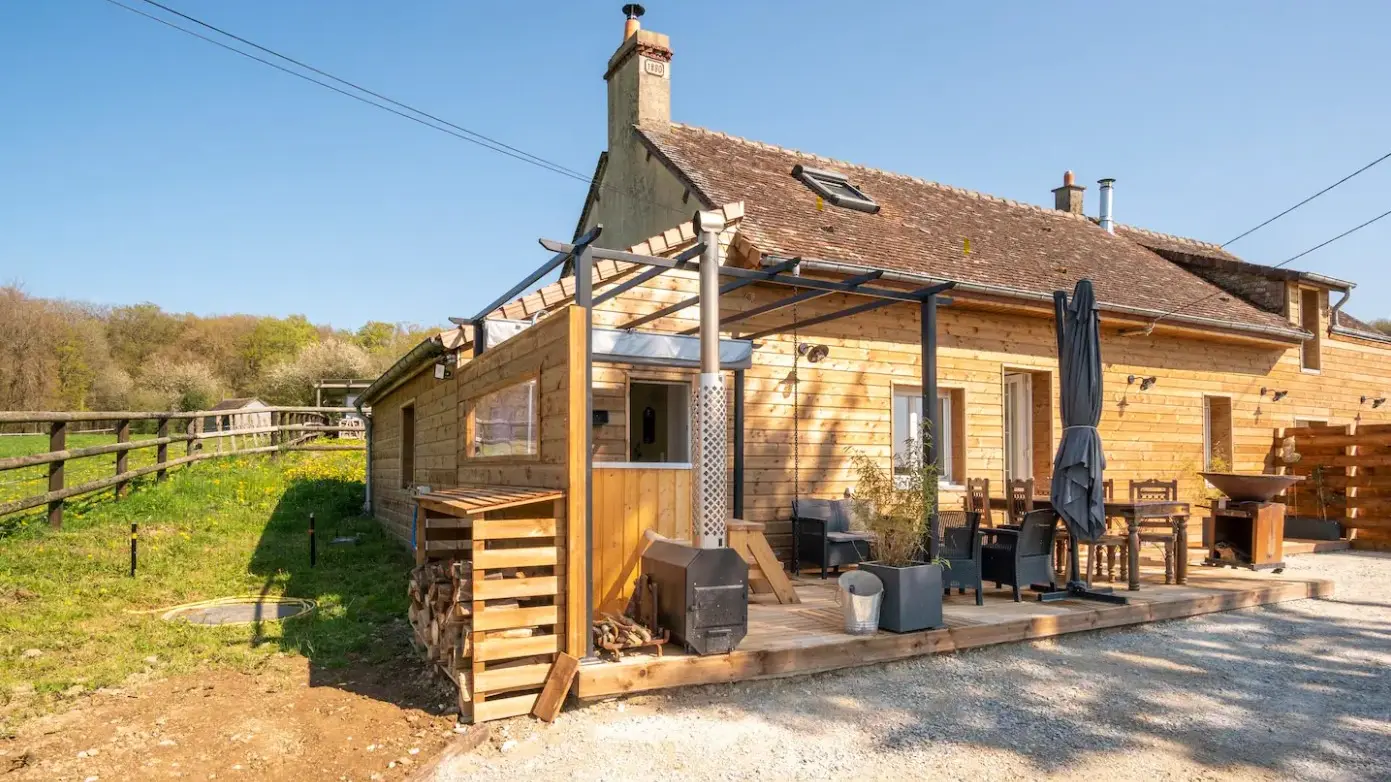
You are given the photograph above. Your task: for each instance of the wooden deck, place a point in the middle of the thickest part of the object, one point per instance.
(792, 640)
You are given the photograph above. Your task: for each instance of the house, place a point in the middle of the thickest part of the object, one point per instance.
(535, 446)
(238, 414)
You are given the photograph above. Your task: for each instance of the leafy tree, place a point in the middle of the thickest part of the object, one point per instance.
(292, 382)
(137, 332)
(376, 335)
(1383, 325)
(274, 340)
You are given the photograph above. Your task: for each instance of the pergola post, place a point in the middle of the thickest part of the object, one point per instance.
(709, 446)
(738, 443)
(931, 413)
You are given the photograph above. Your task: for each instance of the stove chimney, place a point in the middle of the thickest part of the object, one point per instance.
(1068, 198)
(633, 12)
(1106, 220)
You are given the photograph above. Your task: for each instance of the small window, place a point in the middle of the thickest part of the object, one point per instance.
(1217, 434)
(659, 422)
(1309, 319)
(407, 445)
(907, 432)
(504, 422)
(835, 188)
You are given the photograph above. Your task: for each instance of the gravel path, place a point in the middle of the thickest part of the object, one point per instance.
(1298, 690)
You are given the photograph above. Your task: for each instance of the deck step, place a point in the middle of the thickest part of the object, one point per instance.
(1295, 546)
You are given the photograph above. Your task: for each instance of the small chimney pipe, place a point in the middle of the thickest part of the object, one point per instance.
(632, 11)
(1107, 220)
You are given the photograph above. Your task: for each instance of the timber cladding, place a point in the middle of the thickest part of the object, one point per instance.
(845, 402)
(435, 448)
(1347, 473)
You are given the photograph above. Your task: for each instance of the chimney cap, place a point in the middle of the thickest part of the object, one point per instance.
(1107, 182)
(633, 10)
(1068, 178)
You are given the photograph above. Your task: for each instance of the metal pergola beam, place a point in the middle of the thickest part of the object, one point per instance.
(683, 261)
(918, 295)
(530, 280)
(734, 271)
(794, 299)
(693, 300)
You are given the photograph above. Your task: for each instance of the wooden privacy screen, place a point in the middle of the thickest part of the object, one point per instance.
(628, 501)
(1347, 473)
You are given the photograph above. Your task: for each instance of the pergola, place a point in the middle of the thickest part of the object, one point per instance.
(715, 280)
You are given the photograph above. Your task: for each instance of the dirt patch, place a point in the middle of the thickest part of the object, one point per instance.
(352, 724)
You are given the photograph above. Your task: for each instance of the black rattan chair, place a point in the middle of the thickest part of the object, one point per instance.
(821, 535)
(961, 544)
(1024, 556)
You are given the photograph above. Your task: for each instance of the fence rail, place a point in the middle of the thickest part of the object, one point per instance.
(264, 430)
(1347, 473)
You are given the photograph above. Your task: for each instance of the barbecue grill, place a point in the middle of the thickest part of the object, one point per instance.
(702, 595)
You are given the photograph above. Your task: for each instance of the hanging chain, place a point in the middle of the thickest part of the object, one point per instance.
(796, 409)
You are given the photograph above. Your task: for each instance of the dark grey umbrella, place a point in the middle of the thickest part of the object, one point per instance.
(1077, 492)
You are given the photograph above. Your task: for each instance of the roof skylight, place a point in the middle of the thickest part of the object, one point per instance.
(834, 187)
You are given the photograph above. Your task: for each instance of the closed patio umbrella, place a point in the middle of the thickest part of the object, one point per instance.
(1077, 492)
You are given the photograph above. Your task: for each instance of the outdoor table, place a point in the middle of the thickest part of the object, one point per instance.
(1134, 513)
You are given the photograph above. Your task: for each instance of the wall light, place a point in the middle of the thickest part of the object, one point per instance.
(1278, 395)
(1377, 402)
(814, 354)
(1149, 382)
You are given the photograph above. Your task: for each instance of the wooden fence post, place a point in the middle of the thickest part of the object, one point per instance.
(57, 441)
(275, 438)
(162, 450)
(122, 436)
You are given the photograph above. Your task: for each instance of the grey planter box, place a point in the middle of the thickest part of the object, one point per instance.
(912, 596)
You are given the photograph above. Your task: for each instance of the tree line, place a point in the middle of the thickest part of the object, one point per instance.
(64, 355)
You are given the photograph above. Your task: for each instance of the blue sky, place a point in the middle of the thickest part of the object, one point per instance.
(143, 165)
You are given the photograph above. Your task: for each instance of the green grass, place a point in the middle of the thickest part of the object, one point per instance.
(30, 481)
(218, 528)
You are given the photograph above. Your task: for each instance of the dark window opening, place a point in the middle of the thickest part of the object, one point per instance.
(1309, 306)
(407, 446)
(659, 422)
(835, 188)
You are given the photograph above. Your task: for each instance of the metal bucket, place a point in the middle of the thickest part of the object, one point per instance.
(860, 596)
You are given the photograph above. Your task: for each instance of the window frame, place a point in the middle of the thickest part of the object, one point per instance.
(406, 447)
(948, 456)
(1311, 350)
(1208, 440)
(687, 382)
(818, 180)
(471, 421)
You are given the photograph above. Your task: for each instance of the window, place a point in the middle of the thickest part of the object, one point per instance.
(907, 432)
(407, 445)
(1217, 434)
(504, 422)
(659, 422)
(834, 187)
(1309, 319)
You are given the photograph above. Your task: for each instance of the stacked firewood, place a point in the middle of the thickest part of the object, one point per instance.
(440, 595)
(617, 634)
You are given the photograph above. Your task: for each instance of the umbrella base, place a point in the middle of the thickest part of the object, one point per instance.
(1077, 590)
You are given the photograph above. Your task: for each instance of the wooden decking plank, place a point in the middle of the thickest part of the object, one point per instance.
(807, 638)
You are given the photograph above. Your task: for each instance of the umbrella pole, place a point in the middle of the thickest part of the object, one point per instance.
(1076, 588)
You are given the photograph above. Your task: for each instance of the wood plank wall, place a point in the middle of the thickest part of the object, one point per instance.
(436, 446)
(845, 401)
(1348, 471)
(628, 501)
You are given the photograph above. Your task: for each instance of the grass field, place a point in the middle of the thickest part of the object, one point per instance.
(30, 481)
(72, 618)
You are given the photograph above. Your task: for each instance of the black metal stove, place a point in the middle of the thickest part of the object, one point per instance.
(702, 595)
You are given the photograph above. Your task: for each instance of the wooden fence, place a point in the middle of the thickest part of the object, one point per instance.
(1347, 479)
(289, 429)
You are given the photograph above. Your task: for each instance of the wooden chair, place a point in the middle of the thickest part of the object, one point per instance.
(1115, 544)
(1019, 499)
(1158, 530)
(978, 499)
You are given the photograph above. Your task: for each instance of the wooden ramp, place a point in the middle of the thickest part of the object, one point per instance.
(806, 637)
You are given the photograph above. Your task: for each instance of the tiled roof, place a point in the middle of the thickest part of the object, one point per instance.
(1179, 244)
(924, 227)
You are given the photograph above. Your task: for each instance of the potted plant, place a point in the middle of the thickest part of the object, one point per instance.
(894, 506)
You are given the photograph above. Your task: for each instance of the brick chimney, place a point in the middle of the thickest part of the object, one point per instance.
(1068, 198)
(639, 77)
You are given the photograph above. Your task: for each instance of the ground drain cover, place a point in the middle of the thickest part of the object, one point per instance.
(231, 611)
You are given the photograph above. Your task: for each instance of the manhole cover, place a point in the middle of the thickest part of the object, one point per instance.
(233, 611)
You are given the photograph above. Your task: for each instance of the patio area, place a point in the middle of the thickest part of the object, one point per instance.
(798, 639)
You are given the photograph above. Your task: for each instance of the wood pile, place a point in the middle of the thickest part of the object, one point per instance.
(440, 613)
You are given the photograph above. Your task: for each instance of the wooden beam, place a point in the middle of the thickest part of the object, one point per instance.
(558, 682)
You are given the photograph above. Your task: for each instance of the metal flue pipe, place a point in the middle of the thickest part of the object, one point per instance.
(709, 449)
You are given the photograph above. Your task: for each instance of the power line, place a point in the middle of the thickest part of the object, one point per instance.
(359, 87)
(1301, 203)
(444, 126)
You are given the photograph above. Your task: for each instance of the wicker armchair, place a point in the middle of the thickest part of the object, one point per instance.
(821, 535)
(961, 544)
(1022, 556)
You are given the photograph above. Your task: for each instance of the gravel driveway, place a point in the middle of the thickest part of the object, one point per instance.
(1298, 690)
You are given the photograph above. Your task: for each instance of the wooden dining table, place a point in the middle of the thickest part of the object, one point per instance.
(1135, 512)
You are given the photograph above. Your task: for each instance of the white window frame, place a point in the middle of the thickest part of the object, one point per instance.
(1024, 391)
(946, 437)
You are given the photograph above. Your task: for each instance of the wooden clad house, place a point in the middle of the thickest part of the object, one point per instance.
(1206, 355)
